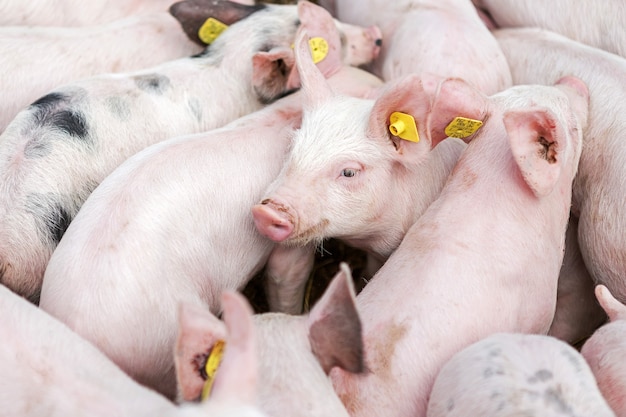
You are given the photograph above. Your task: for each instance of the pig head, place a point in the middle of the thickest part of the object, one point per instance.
(349, 176)
(294, 353)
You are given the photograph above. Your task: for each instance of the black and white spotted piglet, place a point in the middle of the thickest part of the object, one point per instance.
(55, 152)
(515, 374)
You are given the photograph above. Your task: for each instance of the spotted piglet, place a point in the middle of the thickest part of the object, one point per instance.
(55, 152)
(37, 59)
(605, 350)
(508, 374)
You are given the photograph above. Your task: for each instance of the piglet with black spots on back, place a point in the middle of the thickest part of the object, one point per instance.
(513, 374)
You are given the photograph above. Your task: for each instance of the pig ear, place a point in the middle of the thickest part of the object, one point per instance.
(335, 326)
(409, 97)
(537, 142)
(198, 332)
(192, 14)
(270, 73)
(236, 378)
(433, 102)
(455, 99)
(613, 308)
(315, 88)
(324, 36)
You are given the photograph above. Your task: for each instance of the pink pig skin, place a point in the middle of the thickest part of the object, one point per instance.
(48, 370)
(37, 59)
(68, 13)
(172, 224)
(605, 351)
(540, 56)
(598, 24)
(508, 374)
(491, 242)
(578, 313)
(443, 37)
(294, 353)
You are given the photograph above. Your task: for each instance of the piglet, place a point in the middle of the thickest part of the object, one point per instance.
(295, 353)
(540, 56)
(37, 59)
(485, 256)
(598, 24)
(172, 224)
(69, 13)
(605, 350)
(48, 370)
(444, 37)
(353, 179)
(508, 374)
(55, 152)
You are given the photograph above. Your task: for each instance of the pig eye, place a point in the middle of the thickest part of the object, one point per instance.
(348, 172)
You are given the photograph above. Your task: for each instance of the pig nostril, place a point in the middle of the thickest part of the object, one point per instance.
(266, 201)
(378, 42)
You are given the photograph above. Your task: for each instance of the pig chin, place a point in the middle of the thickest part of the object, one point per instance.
(313, 234)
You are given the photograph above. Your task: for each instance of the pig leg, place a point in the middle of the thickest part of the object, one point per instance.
(287, 272)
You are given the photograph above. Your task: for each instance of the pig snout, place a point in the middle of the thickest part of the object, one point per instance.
(360, 45)
(375, 36)
(273, 220)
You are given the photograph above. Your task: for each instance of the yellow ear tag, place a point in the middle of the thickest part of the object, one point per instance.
(462, 127)
(212, 363)
(210, 30)
(319, 49)
(403, 126)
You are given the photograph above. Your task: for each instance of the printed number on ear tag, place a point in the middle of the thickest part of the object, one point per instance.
(462, 127)
(319, 49)
(210, 30)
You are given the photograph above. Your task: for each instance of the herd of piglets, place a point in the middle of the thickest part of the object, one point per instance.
(156, 156)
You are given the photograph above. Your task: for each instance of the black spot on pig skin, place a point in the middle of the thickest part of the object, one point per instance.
(49, 101)
(53, 111)
(152, 83)
(37, 147)
(71, 122)
(119, 107)
(51, 217)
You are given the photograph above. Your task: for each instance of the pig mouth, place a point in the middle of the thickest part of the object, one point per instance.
(314, 233)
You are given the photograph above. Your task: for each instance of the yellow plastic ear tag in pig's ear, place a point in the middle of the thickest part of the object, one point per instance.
(212, 363)
(403, 126)
(319, 49)
(462, 127)
(210, 30)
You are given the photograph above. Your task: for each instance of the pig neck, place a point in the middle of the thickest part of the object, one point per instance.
(410, 193)
(464, 270)
(292, 380)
